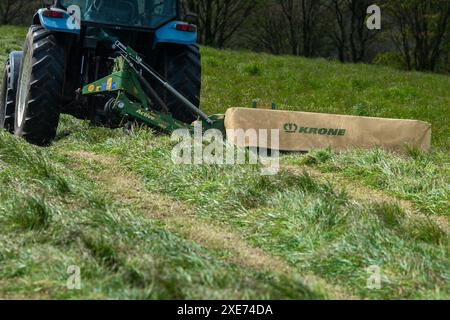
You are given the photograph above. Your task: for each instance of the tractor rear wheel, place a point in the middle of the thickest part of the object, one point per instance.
(8, 91)
(40, 87)
(181, 67)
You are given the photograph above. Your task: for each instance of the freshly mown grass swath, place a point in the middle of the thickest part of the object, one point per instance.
(314, 226)
(52, 219)
(139, 226)
(423, 179)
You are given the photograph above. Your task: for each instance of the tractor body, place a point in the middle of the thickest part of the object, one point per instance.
(70, 47)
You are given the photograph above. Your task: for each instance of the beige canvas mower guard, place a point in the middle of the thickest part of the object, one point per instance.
(305, 131)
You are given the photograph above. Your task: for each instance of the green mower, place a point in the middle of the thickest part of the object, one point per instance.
(81, 58)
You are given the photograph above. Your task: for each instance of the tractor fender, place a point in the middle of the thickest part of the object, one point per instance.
(64, 24)
(168, 33)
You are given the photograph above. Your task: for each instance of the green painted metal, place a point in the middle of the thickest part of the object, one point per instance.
(127, 108)
(123, 79)
(132, 102)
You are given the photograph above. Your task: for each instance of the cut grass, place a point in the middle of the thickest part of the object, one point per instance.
(182, 219)
(313, 226)
(121, 253)
(423, 179)
(69, 205)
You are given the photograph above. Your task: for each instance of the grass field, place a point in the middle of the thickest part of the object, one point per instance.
(139, 226)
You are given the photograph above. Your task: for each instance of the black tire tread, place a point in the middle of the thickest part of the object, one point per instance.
(9, 97)
(44, 97)
(181, 66)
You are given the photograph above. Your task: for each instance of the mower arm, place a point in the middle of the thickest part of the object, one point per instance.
(134, 60)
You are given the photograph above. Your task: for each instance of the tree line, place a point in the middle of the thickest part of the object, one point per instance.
(414, 35)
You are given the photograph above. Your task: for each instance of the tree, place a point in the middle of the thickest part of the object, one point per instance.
(9, 9)
(302, 19)
(360, 35)
(421, 28)
(17, 11)
(339, 35)
(351, 36)
(219, 20)
(268, 30)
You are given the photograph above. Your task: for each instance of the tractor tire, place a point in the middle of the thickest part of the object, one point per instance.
(181, 67)
(40, 87)
(8, 91)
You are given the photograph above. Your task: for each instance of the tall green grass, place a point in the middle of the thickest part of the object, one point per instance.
(314, 226)
(235, 79)
(423, 179)
(52, 218)
(11, 39)
(54, 213)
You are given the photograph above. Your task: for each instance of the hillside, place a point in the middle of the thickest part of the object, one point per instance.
(139, 226)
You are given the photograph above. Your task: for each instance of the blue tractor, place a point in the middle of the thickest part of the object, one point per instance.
(71, 44)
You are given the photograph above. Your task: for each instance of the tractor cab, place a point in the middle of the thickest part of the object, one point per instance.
(147, 14)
